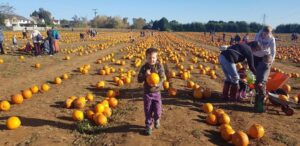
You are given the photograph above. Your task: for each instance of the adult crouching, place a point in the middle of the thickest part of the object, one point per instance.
(228, 59)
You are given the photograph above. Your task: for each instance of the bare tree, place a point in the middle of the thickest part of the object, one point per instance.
(6, 9)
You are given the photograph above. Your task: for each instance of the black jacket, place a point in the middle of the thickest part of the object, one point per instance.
(238, 53)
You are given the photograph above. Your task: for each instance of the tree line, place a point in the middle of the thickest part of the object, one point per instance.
(140, 23)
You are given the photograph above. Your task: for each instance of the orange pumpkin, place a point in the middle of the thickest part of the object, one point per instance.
(207, 107)
(45, 87)
(68, 103)
(99, 108)
(287, 88)
(77, 115)
(240, 138)
(110, 93)
(100, 84)
(79, 102)
(166, 85)
(190, 84)
(113, 102)
(218, 112)
(27, 94)
(90, 97)
(100, 119)
(256, 131)
(198, 93)
(4, 105)
(227, 133)
(211, 119)
(89, 114)
(172, 91)
(57, 80)
(153, 79)
(17, 99)
(107, 112)
(34, 89)
(284, 97)
(13, 123)
(224, 119)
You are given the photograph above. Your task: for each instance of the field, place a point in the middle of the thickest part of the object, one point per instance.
(191, 57)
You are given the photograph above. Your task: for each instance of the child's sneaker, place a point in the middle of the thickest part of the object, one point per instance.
(157, 124)
(148, 131)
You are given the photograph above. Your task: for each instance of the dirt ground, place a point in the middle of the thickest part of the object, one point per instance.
(46, 122)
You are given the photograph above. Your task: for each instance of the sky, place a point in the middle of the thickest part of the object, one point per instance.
(184, 11)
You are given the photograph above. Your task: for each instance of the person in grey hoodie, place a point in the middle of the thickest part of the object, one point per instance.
(1, 41)
(263, 60)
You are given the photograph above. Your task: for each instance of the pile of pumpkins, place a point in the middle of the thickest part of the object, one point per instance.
(238, 138)
(99, 114)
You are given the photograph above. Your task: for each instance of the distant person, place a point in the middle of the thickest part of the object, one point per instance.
(51, 40)
(246, 38)
(81, 35)
(24, 33)
(152, 95)
(56, 37)
(224, 36)
(37, 38)
(1, 41)
(14, 44)
(231, 42)
(237, 39)
(294, 36)
(263, 60)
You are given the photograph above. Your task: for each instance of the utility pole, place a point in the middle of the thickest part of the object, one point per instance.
(264, 20)
(95, 12)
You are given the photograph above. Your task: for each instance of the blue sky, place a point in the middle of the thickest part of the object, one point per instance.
(277, 11)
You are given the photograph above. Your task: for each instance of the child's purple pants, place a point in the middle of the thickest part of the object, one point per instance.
(152, 107)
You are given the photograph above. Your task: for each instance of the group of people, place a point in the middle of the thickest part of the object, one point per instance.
(260, 55)
(41, 44)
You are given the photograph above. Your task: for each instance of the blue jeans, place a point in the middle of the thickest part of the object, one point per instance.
(229, 69)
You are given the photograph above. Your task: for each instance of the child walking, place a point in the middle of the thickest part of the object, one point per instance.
(152, 95)
(14, 44)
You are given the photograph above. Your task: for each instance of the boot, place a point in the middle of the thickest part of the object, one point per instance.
(234, 92)
(226, 89)
(259, 104)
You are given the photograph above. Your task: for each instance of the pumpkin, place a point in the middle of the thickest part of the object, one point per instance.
(283, 97)
(227, 133)
(100, 119)
(89, 114)
(295, 99)
(153, 79)
(107, 112)
(224, 126)
(68, 103)
(207, 107)
(99, 108)
(100, 85)
(17, 99)
(13, 123)
(79, 102)
(1, 61)
(57, 80)
(113, 102)
(110, 93)
(185, 75)
(211, 119)
(218, 112)
(224, 119)
(34, 89)
(4, 105)
(172, 91)
(166, 85)
(240, 138)
(37, 65)
(256, 131)
(27, 94)
(77, 115)
(120, 83)
(89, 97)
(197, 93)
(45, 87)
(287, 88)
(105, 103)
(65, 76)
(190, 84)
